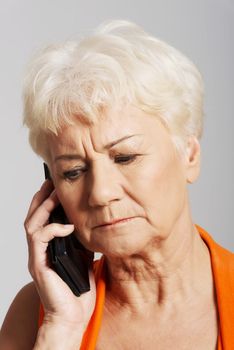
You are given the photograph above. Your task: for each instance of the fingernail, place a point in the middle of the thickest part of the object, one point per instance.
(68, 226)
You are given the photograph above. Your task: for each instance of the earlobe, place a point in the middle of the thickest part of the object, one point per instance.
(193, 159)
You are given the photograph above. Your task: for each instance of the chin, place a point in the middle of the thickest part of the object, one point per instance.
(123, 249)
(120, 241)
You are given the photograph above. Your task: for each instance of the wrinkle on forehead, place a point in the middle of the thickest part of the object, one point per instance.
(83, 138)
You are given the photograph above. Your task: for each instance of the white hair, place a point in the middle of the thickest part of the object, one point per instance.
(118, 63)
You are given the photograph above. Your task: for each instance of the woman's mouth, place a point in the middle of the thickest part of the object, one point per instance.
(115, 223)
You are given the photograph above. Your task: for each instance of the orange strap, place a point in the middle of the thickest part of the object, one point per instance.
(90, 336)
(222, 262)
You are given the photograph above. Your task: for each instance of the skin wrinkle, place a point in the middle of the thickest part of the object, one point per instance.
(158, 277)
(161, 245)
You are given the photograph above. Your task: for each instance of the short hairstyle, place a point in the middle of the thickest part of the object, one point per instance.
(118, 63)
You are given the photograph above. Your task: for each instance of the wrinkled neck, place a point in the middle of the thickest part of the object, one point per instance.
(164, 274)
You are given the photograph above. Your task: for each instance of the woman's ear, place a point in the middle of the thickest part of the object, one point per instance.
(193, 157)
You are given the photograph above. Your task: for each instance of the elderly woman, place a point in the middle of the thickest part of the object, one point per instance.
(117, 118)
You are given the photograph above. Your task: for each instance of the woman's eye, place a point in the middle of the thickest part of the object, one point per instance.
(76, 173)
(73, 174)
(125, 159)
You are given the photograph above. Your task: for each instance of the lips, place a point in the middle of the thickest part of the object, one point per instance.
(113, 222)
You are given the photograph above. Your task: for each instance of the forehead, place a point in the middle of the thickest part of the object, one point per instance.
(115, 124)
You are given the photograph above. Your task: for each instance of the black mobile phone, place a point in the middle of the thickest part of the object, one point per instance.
(68, 257)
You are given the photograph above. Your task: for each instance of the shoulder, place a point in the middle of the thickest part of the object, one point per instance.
(19, 329)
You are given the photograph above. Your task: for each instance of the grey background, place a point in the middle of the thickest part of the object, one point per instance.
(202, 29)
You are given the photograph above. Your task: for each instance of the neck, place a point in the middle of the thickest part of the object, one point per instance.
(173, 272)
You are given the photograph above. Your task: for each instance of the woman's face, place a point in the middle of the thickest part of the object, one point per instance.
(138, 176)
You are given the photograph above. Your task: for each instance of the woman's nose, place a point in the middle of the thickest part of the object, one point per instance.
(104, 185)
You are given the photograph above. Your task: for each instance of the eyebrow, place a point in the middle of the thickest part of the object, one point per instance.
(108, 146)
(113, 143)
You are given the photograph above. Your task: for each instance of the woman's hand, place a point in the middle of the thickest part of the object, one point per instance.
(62, 308)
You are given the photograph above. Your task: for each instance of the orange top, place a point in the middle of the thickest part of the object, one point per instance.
(222, 262)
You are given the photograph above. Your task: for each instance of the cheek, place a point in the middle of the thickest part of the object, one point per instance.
(161, 190)
(68, 200)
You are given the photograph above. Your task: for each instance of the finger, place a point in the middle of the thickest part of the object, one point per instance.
(46, 234)
(38, 243)
(45, 190)
(41, 215)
